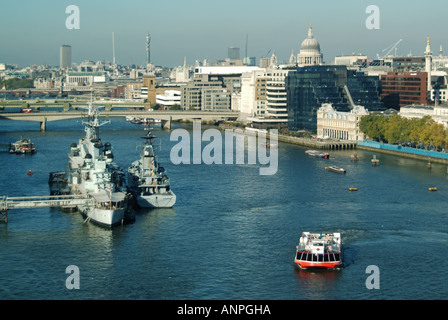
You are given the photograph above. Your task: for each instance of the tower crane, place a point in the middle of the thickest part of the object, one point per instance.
(392, 47)
(267, 53)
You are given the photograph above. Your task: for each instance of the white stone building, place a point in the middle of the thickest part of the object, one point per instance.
(75, 79)
(438, 113)
(169, 98)
(264, 98)
(253, 101)
(340, 125)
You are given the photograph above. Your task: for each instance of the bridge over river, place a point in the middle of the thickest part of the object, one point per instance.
(165, 116)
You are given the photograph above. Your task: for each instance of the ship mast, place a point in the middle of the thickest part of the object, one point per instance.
(93, 123)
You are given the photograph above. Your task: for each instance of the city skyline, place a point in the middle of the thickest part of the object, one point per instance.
(31, 32)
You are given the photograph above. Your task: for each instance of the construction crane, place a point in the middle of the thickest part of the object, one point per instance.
(267, 53)
(392, 47)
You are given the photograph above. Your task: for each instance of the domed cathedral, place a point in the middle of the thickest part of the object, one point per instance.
(309, 54)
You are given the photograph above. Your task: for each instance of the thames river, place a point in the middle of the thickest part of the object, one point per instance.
(232, 233)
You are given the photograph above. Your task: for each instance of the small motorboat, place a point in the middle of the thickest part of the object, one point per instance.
(317, 154)
(335, 169)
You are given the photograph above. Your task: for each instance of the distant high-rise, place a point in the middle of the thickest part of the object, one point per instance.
(65, 56)
(148, 48)
(428, 63)
(233, 53)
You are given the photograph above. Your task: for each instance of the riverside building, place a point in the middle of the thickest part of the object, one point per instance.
(333, 124)
(216, 84)
(275, 115)
(309, 87)
(438, 113)
(404, 88)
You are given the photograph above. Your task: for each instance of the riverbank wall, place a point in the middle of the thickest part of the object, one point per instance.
(397, 150)
(304, 142)
(319, 144)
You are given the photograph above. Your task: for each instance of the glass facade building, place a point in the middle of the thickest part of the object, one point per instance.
(308, 87)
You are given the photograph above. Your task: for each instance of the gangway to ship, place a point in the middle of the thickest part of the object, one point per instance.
(8, 203)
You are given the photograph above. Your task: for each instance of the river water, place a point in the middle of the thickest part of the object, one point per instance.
(232, 233)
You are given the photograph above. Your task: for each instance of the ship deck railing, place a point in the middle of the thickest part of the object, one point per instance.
(318, 257)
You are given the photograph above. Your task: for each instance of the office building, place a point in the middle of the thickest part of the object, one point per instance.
(228, 78)
(270, 108)
(81, 79)
(169, 98)
(253, 94)
(191, 96)
(438, 113)
(309, 87)
(233, 53)
(350, 60)
(404, 88)
(65, 56)
(407, 64)
(215, 99)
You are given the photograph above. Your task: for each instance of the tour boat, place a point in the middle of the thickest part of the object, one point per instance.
(319, 250)
(335, 169)
(22, 146)
(317, 154)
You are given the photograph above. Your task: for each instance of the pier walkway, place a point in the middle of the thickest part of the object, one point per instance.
(8, 203)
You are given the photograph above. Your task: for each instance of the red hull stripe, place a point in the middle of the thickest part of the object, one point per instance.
(309, 264)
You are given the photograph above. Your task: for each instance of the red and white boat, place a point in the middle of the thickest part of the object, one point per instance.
(319, 250)
(318, 154)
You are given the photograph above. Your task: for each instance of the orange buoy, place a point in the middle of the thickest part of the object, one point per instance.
(30, 173)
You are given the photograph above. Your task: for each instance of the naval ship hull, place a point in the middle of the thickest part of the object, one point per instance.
(156, 201)
(103, 217)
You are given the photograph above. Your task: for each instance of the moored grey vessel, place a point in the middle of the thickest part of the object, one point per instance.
(147, 181)
(92, 172)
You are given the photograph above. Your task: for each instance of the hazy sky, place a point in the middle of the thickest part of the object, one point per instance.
(31, 31)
